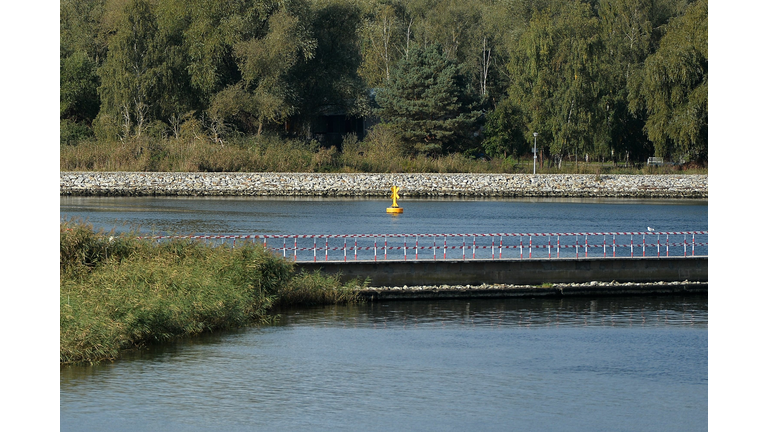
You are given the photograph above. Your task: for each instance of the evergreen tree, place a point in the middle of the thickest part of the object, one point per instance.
(427, 104)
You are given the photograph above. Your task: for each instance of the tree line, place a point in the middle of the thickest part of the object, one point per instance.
(604, 79)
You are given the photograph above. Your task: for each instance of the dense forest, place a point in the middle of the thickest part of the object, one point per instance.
(601, 79)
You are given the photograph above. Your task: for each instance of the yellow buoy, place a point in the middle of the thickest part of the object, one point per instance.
(395, 208)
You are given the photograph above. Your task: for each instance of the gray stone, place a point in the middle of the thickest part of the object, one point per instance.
(377, 185)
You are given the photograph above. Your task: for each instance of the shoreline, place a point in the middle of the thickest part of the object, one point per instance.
(664, 186)
(555, 290)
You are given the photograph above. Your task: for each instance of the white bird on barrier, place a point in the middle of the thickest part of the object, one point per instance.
(651, 229)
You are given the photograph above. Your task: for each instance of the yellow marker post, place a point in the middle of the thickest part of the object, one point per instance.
(395, 208)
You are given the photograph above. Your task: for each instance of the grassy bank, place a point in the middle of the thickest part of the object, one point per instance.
(118, 292)
(378, 153)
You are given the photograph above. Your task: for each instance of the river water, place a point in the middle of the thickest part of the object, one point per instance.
(333, 216)
(631, 364)
(580, 364)
(247, 215)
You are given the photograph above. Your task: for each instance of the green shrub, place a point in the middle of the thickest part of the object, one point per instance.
(71, 133)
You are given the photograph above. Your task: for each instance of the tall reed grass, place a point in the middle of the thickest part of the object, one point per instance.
(119, 292)
(379, 152)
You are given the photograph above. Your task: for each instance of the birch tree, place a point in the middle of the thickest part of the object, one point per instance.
(674, 87)
(553, 77)
(132, 74)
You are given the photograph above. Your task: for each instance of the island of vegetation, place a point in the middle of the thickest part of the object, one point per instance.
(121, 292)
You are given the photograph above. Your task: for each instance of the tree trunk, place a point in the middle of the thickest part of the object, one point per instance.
(126, 113)
(485, 67)
(577, 160)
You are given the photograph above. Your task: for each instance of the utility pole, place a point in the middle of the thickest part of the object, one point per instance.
(535, 134)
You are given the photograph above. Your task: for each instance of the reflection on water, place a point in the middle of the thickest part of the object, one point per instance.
(530, 313)
(576, 364)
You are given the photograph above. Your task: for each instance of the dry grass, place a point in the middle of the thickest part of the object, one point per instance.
(380, 152)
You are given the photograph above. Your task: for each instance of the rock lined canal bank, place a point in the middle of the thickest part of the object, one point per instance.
(377, 185)
(516, 271)
(434, 292)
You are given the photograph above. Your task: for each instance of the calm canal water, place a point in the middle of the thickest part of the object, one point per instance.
(368, 216)
(629, 364)
(633, 364)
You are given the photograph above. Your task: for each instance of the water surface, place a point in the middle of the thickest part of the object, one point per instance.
(254, 215)
(635, 364)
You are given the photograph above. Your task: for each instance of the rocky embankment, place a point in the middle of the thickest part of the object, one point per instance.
(531, 291)
(377, 185)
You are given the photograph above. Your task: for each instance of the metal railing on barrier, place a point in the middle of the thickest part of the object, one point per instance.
(375, 247)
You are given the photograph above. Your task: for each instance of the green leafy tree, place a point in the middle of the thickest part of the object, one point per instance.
(382, 41)
(463, 30)
(630, 32)
(674, 87)
(176, 96)
(427, 103)
(328, 82)
(590, 76)
(449, 23)
(488, 54)
(553, 77)
(78, 94)
(135, 72)
(503, 131)
(82, 28)
(80, 54)
(626, 30)
(264, 93)
(211, 28)
(78, 97)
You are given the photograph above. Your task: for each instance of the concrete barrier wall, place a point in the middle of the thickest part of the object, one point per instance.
(518, 272)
